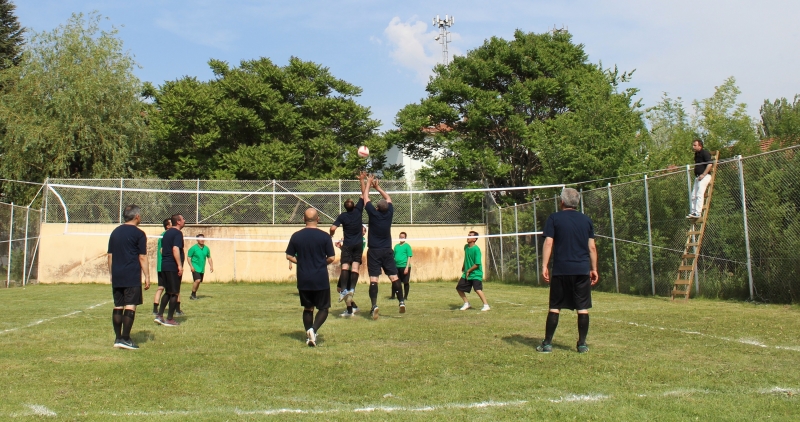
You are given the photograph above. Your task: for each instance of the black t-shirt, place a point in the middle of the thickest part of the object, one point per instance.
(380, 227)
(312, 247)
(173, 237)
(571, 232)
(351, 224)
(702, 156)
(125, 245)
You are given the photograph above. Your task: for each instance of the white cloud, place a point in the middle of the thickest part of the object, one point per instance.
(195, 27)
(414, 46)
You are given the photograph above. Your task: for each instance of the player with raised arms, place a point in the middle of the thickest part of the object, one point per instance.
(352, 246)
(380, 254)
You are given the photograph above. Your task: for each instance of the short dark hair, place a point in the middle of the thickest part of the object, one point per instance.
(167, 222)
(174, 219)
(699, 142)
(383, 205)
(473, 233)
(200, 235)
(349, 205)
(404, 234)
(131, 211)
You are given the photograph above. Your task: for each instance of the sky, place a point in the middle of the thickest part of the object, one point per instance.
(682, 47)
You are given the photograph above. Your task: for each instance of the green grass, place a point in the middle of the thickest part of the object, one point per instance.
(240, 355)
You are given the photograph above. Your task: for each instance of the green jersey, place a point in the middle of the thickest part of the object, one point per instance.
(402, 251)
(472, 256)
(198, 254)
(158, 253)
(363, 244)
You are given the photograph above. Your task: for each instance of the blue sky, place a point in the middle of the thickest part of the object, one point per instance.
(683, 47)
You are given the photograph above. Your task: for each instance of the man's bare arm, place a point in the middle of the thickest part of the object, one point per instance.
(291, 258)
(145, 264)
(381, 191)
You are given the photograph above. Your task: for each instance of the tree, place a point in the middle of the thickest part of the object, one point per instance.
(72, 107)
(671, 133)
(262, 121)
(11, 36)
(781, 120)
(531, 110)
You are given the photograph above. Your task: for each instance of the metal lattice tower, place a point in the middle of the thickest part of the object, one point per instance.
(444, 35)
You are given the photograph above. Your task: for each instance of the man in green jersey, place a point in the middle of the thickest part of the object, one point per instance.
(197, 263)
(402, 258)
(472, 273)
(160, 290)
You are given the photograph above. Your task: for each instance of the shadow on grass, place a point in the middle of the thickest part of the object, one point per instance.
(295, 335)
(531, 342)
(141, 337)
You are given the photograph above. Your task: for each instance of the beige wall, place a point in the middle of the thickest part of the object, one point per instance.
(80, 257)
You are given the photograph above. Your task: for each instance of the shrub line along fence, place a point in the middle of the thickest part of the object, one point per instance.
(749, 249)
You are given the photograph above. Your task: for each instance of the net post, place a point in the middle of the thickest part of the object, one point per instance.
(25, 250)
(46, 193)
(502, 262)
(197, 204)
(121, 185)
(234, 256)
(746, 228)
(410, 203)
(649, 234)
(613, 236)
(536, 240)
(516, 230)
(10, 236)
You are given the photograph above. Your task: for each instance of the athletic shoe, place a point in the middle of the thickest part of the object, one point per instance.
(485, 307)
(159, 319)
(355, 309)
(192, 297)
(544, 347)
(155, 313)
(312, 338)
(583, 348)
(374, 313)
(346, 314)
(342, 294)
(170, 323)
(116, 343)
(465, 307)
(179, 313)
(693, 215)
(402, 308)
(126, 344)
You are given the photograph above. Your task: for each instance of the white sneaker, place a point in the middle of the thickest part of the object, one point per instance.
(342, 294)
(485, 307)
(345, 314)
(402, 308)
(465, 307)
(355, 309)
(312, 337)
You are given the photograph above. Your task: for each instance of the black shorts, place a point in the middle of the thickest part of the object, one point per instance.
(403, 277)
(320, 299)
(127, 295)
(172, 283)
(351, 254)
(466, 286)
(570, 292)
(378, 259)
(197, 276)
(161, 279)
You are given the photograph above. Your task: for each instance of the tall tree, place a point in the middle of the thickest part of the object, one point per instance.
(781, 120)
(526, 111)
(262, 121)
(11, 35)
(72, 107)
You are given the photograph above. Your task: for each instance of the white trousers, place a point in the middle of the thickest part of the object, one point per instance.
(698, 194)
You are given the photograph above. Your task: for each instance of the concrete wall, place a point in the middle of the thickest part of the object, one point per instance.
(80, 257)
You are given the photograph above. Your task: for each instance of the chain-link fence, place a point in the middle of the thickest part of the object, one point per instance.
(749, 248)
(248, 201)
(19, 244)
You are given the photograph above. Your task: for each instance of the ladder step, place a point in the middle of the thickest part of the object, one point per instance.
(689, 255)
(680, 282)
(690, 244)
(680, 292)
(694, 232)
(686, 268)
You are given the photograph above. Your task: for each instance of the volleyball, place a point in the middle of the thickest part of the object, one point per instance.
(363, 151)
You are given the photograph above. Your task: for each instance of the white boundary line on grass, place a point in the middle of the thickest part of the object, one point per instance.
(746, 341)
(42, 321)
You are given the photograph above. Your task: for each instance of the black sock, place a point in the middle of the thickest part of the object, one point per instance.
(178, 309)
(353, 303)
(116, 319)
(127, 323)
(344, 279)
(397, 289)
(163, 305)
(173, 305)
(583, 327)
(351, 284)
(550, 326)
(350, 309)
(405, 294)
(373, 294)
(322, 315)
(155, 307)
(308, 319)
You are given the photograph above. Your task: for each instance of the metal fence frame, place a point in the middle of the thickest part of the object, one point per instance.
(19, 247)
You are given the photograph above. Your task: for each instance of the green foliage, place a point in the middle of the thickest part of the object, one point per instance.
(71, 108)
(11, 36)
(781, 120)
(526, 111)
(262, 121)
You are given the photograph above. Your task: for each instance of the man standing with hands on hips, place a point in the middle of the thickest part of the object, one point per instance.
(569, 238)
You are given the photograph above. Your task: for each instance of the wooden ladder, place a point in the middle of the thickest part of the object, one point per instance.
(694, 239)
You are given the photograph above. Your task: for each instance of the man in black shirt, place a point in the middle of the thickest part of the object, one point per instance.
(352, 247)
(569, 236)
(172, 257)
(312, 250)
(380, 254)
(702, 166)
(127, 260)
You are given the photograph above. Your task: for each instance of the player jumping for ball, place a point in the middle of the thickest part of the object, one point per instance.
(380, 254)
(352, 247)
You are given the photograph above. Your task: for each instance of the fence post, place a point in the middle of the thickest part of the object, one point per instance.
(121, 184)
(649, 234)
(613, 236)
(689, 186)
(555, 199)
(273, 202)
(410, 203)
(197, 204)
(340, 196)
(10, 236)
(581, 193)
(536, 241)
(46, 193)
(516, 229)
(746, 229)
(234, 257)
(25, 251)
(502, 262)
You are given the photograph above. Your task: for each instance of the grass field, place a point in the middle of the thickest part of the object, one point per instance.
(240, 355)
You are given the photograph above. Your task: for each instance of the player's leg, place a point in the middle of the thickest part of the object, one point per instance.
(323, 303)
(374, 269)
(159, 292)
(583, 301)
(390, 269)
(463, 287)
(132, 298)
(405, 277)
(480, 294)
(116, 314)
(556, 304)
(351, 285)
